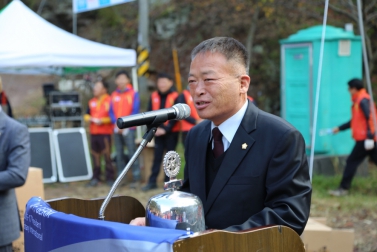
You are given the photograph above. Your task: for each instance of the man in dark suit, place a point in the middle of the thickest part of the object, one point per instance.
(14, 164)
(248, 167)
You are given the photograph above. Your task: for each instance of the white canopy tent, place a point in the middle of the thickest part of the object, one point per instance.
(30, 44)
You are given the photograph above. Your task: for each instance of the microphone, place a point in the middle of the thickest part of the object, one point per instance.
(178, 112)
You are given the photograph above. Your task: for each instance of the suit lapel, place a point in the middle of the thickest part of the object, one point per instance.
(199, 160)
(234, 154)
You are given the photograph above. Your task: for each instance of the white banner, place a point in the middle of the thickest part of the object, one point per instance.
(87, 5)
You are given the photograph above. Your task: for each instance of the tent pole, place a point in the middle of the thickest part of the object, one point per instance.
(74, 23)
(135, 84)
(319, 76)
(366, 65)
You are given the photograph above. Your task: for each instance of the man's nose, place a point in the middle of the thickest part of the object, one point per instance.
(200, 88)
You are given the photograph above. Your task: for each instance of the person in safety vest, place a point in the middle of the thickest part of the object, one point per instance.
(124, 102)
(100, 129)
(193, 119)
(4, 101)
(166, 136)
(251, 99)
(363, 131)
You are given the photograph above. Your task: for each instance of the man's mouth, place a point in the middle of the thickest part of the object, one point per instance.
(201, 104)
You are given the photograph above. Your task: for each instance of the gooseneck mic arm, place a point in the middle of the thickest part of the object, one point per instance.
(153, 120)
(146, 139)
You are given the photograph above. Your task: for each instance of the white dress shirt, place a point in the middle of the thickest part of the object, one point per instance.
(229, 127)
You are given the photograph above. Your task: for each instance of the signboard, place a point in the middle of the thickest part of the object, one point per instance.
(72, 154)
(48, 230)
(87, 5)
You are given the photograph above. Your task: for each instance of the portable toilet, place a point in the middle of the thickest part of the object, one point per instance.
(342, 61)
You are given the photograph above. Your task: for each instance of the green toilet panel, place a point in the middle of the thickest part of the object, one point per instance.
(297, 88)
(342, 61)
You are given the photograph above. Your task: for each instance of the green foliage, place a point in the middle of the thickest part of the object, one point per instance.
(362, 194)
(180, 150)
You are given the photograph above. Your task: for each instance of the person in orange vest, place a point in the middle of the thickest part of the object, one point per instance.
(251, 99)
(363, 131)
(166, 136)
(4, 101)
(100, 129)
(193, 119)
(124, 102)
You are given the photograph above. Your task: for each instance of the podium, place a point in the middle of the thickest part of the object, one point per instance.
(122, 209)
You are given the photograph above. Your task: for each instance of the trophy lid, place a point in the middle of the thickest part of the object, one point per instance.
(172, 165)
(175, 209)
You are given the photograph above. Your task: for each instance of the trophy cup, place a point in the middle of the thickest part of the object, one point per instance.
(175, 209)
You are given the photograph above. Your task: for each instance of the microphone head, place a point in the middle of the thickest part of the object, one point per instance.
(183, 111)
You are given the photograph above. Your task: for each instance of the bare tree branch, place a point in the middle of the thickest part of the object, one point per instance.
(369, 52)
(251, 35)
(370, 5)
(351, 5)
(333, 7)
(370, 17)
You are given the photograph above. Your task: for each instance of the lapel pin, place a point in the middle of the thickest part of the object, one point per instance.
(244, 146)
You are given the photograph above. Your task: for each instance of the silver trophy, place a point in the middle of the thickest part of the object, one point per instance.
(174, 209)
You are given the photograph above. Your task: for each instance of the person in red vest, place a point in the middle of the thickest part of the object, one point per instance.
(363, 131)
(100, 129)
(193, 119)
(251, 99)
(4, 101)
(124, 102)
(166, 137)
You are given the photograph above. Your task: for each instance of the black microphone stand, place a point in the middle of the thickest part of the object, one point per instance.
(148, 136)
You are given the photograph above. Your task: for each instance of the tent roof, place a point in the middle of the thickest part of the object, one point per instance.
(29, 41)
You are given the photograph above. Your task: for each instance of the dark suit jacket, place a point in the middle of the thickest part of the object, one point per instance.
(14, 165)
(265, 184)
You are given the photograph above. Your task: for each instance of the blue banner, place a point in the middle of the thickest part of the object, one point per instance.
(49, 230)
(87, 5)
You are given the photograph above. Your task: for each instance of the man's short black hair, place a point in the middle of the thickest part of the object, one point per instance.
(356, 83)
(164, 75)
(231, 48)
(122, 72)
(105, 84)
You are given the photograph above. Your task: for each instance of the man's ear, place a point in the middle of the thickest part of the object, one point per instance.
(245, 83)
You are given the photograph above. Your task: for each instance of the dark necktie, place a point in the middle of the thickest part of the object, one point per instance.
(218, 146)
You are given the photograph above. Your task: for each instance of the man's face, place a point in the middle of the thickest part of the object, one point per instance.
(98, 89)
(218, 86)
(352, 90)
(121, 81)
(164, 84)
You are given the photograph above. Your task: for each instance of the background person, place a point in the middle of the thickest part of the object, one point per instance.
(100, 129)
(14, 165)
(193, 119)
(166, 137)
(362, 127)
(4, 101)
(124, 102)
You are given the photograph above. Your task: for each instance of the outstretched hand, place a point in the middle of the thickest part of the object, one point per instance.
(140, 221)
(335, 130)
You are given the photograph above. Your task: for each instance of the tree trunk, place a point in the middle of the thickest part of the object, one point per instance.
(251, 36)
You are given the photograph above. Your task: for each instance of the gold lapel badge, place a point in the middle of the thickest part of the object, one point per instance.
(244, 146)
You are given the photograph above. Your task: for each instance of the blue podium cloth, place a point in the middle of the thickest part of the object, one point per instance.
(50, 230)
